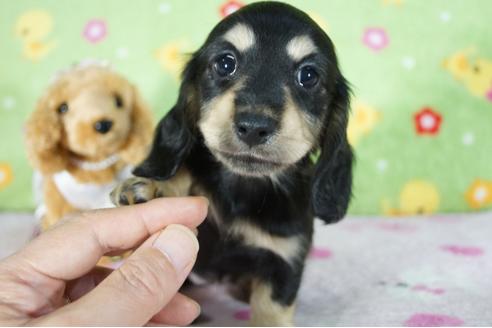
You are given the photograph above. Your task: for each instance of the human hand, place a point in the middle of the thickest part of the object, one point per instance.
(59, 265)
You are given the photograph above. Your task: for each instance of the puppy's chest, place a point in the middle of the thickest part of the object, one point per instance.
(236, 224)
(272, 212)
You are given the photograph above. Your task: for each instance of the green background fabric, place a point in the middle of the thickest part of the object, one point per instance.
(392, 51)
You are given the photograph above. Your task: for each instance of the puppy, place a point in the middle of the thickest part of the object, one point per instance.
(259, 101)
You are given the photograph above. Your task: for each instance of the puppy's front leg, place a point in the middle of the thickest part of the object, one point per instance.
(268, 311)
(137, 190)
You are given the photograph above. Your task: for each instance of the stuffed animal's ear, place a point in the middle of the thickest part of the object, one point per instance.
(43, 133)
(174, 137)
(332, 182)
(140, 137)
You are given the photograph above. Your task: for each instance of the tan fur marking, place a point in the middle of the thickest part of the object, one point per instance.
(177, 186)
(296, 136)
(217, 118)
(241, 36)
(286, 247)
(267, 312)
(300, 46)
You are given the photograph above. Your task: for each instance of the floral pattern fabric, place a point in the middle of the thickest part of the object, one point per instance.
(421, 74)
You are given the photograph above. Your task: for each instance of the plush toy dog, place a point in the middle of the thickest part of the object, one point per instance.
(86, 132)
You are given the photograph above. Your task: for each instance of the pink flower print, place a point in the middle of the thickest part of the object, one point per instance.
(424, 288)
(463, 250)
(229, 7)
(433, 320)
(396, 227)
(242, 315)
(320, 253)
(375, 38)
(95, 30)
(488, 95)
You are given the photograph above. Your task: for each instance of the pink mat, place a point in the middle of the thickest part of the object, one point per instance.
(434, 271)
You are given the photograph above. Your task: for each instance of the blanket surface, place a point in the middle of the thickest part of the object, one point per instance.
(379, 272)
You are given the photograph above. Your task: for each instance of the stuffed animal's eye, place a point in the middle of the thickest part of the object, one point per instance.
(118, 101)
(63, 108)
(307, 77)
(225, 65)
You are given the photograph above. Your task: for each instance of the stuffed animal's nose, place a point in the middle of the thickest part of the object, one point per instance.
(103, 126)
(254, 129)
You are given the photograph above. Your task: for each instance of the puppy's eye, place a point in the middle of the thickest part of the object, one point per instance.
(62, 109)
(225, 65)
(307, 77)
(118, 101)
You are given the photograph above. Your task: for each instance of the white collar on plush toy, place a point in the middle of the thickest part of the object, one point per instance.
(96, 166)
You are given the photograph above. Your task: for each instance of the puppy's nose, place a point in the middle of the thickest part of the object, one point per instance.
(103, 126)
(254, 129)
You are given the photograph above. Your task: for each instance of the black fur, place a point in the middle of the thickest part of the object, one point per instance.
(332, 183)
(285, 207)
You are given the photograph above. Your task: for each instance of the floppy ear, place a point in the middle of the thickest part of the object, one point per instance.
(332, 182)
(137, 145)
(43, 133)
(174, 136)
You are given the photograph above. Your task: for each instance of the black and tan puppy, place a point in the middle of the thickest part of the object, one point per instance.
(258, 100)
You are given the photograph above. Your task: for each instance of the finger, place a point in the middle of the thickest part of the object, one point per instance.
(122, 252)
(127, 252)
(140, 288)
(73, 248)
(180, 311)
(77, 288)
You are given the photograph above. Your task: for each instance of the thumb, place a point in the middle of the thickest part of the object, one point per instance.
(141, 287)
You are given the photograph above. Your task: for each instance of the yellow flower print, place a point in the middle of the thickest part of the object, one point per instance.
(362, 120)
(479, 194)
(6, 175)
(416, 197)
(172, 57)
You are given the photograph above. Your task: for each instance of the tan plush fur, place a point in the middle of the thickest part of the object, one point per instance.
(55, 140)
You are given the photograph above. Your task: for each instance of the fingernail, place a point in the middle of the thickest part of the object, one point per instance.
(206, 200)
(197, 306)
(179, 244)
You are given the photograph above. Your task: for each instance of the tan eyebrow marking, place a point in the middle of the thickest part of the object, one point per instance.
(300, 46)
(241, 36)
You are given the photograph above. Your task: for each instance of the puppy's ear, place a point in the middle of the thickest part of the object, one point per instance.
(175, 134)
(332, 182)
(136, 147)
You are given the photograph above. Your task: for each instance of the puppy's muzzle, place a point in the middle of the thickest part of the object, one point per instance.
(254, 129)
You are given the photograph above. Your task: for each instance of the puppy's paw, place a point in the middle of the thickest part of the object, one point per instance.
(134, 191)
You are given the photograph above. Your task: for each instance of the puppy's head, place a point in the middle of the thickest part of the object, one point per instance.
(266, 78)
(264, 92)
